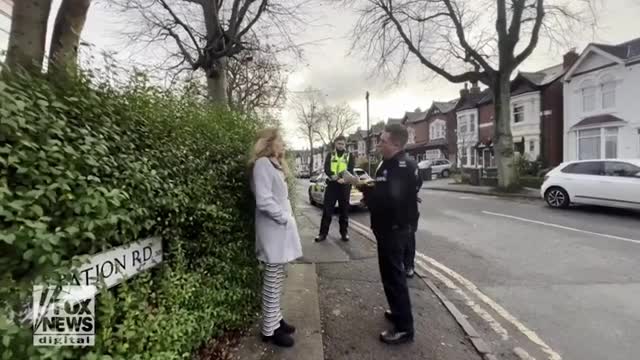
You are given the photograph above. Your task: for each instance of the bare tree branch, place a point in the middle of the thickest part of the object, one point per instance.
(217, 32)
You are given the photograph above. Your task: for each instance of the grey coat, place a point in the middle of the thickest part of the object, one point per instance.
(277, 239)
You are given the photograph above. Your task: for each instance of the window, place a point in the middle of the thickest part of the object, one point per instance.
(611, 143)
(518, 113)
(463, 125)
(532, 146)
(616, 168)
(585, 168)
(412, 136)
(437, 130)
(588, 96)
(466, 124)
(589, 144)
(463, 156)
(608, 90)
(473, 156)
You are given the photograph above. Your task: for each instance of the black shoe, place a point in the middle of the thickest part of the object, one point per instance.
(388, 315)
(320, 238)
(279, 338)
(410, 272)
(396, 337)
(345, 237)
(289, 329)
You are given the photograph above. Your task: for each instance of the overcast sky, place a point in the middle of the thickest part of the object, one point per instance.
(341, 77)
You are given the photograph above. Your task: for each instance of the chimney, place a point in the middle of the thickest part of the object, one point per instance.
(475, 89)
(570, 58)
(464, 92)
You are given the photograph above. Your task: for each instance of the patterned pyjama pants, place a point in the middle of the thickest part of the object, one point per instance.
(272, 287)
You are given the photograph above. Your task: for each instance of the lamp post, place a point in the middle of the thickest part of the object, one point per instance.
(368, 136)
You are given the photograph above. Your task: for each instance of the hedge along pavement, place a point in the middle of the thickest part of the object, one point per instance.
(86, 167)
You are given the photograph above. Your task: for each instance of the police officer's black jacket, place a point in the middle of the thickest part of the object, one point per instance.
(393, 200)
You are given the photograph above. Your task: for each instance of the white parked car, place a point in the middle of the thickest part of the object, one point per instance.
(610, 182)
(441, 167)
(361, 173)
(319, 184)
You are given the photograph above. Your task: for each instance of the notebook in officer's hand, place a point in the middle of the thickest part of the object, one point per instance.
(349, 178)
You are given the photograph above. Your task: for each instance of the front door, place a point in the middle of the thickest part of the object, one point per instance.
(486, 156)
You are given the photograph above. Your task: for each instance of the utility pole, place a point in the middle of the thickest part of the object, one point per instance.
(368, 137)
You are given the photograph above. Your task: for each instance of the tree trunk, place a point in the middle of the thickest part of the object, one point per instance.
(310, 153)
(217, 83)
(66, 32)
(503, 139)
(28, 34)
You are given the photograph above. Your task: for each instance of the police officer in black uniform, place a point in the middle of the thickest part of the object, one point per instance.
(392, 201)
(336, 162)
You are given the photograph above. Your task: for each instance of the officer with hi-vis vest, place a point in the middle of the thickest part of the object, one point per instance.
(335, 164)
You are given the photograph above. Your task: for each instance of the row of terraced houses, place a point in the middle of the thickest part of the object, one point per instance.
(586, 107)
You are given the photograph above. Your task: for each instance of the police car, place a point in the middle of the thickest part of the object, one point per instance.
(319, 183)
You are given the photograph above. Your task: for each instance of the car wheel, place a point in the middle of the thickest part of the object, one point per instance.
(557, 197)
(445, 173)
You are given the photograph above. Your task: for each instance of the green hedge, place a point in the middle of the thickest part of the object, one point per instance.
(531, 181)
(85, 167)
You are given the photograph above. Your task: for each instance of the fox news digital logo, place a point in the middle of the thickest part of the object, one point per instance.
(63, 316)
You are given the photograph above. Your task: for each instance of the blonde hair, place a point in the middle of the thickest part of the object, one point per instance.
(263, 147)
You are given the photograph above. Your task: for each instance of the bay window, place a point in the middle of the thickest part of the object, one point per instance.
(610, 143)
(463, 156)
(601, 143)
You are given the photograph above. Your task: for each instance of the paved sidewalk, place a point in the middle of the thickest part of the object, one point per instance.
(450, 185)
(335, 298)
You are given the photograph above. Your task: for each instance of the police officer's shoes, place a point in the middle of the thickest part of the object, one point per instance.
(320, 238)
(345, 237)
(392, 337)
(279, 338)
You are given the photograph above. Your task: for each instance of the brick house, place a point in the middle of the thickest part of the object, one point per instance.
(466, 131)
(356, 144)
(416, 124)
(486, 129)
(440, 122)
(374, 137)
(537, 112)
(537, 116)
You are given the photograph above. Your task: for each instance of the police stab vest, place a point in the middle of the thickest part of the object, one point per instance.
(339, 163)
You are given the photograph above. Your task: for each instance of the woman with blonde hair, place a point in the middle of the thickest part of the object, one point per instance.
(277, 239)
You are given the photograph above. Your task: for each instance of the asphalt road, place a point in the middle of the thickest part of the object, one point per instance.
(571, 278)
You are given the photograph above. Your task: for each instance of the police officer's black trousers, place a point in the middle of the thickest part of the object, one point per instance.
(410, 252)
(340, 193)
(391, 250)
